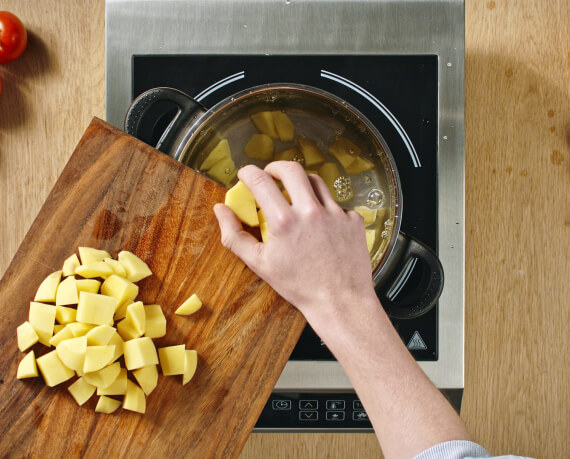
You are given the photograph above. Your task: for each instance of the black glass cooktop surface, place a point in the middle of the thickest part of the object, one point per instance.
(398, 94)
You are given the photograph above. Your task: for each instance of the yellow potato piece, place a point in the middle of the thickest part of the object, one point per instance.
(117, 387)
(48, 288)
(140, 352)
(264, 231)
(330, 173)
(147, 377)
(57, 328)
(117, 267)
(104, 377)
(190, 364)
(62, 335)
(260, 146)
(107, 405)
(118, 342)
(219, 152)
(53, 370)
(134, 398)
(128, 330)
(94, 269)
(96, 309)
(65, 315)
(87, 285)
(344, 151)
(224, 172)
(67, 292)
(81, 390)
(69, 265)
(284, 126)
(27, 367)
(311, 153)
(370, 238)
(265, 123)
(100, 335)
(90, 255)
(155, 326)
(190, 306)
(358, 166)
(42, 319)
(369, 215)
(172, 359)
(27, 336)
(97, 357)
(136, 268)
(71, 352)
(80, 329)
(290, 154)
(241, 201)
(136, 314)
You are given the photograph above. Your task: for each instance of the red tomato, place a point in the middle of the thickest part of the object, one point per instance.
(13, 37)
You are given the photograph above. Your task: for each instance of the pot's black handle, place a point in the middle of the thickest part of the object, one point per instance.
(188, 111)
(407, 252)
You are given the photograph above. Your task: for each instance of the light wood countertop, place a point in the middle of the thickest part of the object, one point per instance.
(517, 204)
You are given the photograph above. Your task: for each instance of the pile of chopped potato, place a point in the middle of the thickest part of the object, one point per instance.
(89, 313)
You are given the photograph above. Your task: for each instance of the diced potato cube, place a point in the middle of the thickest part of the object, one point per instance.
(81, 391)
(97, 357)
(27, 367)
(264, 122)
(69, 265)
(261, 217)
(134, 398)
(79, 329)
(190, 364)
(147, 377)
(358, 166)
(42, 319)
(65, 315)
(100, 335)
(155, 326)
(370, 238)
(140, 352)
(117, 387)
(107, 405)
(71, 352)
(260, 146)
(90, 255)
(219, 152)
(369, 215)
(172, 359)
(27, 336)
(284, 126)
(264, 231)
(135, 312)
(120, 288)
(97, 309)
(135, 267)
(241, 201)
(94, 269)
(121, 311)
(53, 370)
(330, 173)
(118, 342)
(48, 288)
(57, 328)
(117, 267)
(344, 151)
(190, 306)
(128, 330)
(103, 377)
(60, 336)
(311, 153)
(224, 172)
(66, 292)
(87, 285)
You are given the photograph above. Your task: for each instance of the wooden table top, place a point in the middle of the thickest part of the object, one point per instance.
(517, 111)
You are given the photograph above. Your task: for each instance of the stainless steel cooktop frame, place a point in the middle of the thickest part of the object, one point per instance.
(323, 27)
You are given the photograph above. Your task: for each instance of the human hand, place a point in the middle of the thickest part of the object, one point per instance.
(316, 255)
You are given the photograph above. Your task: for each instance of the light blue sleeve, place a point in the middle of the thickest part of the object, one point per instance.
(459, 449)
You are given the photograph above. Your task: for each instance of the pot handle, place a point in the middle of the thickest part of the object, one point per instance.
(407, 251)
(188, 111)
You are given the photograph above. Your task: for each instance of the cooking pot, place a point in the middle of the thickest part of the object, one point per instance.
(339, 132)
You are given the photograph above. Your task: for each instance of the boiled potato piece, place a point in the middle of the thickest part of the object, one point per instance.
(66, 292)
(260, 146)
(117, 387)
(136, 268)
(81, 390)
(172, 359)
(369, 215)
(60, 336)
(69, 265)
(140, 352)
(104, 377)
(147, 377)
(90, 255)
(100, 336)
(87, 285)
(94, 269)
(290, 154)
(27, 367)
(155, 326)
(53, 370)
(284, 126)
(370, 238)
(107, 405)
(219, 152)
(311, 153)
(223, 171)
(65, 315)
(190, 364)
(358, 166)
(264, 231)
(190, 306)
(344, 151)
(241, 201)
(117, 267)
(134, 398)
(96, 309)
(48, 288)
(27, 336)
(42, 319)
(330, 173)
(265, 123)
(71, 352)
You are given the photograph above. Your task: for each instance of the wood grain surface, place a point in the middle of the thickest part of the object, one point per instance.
(517, 203)
(117, 193)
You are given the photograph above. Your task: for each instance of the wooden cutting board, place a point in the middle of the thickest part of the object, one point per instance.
(117, 193)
